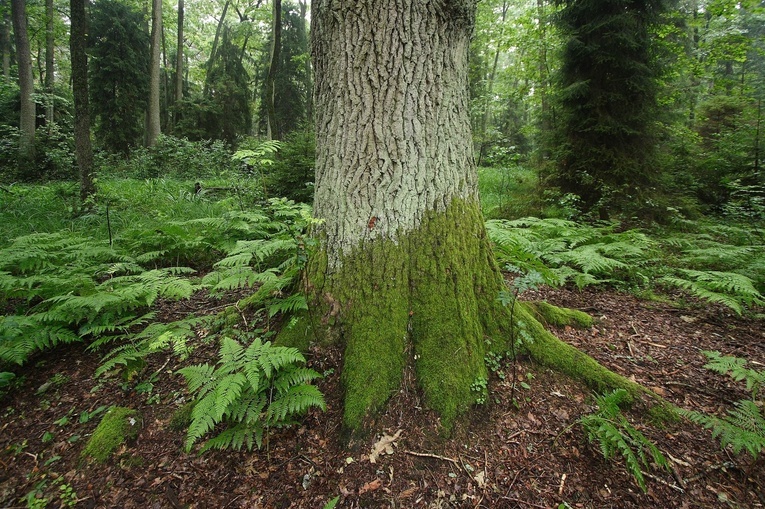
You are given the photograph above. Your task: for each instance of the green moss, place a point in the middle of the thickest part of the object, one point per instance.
(118, 425)
(663, 413)
(560, 317)
(427, 299)
(297, 332)
(181, 418)
(554, 353)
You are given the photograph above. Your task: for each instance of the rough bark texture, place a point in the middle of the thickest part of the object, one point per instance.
(82, 146)
(179, 65)
(26, 86)
(405, 272)
(49, 69)
(273, 68)
(153, 117)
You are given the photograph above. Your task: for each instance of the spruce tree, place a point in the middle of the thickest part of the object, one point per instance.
(607, 94)
(119, 74)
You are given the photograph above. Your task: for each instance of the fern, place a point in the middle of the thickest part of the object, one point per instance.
(251, 390)
(616, 436)
(727, 288)
(743, 428)
(154, 338)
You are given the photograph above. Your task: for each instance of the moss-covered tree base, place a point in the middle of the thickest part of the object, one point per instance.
(426, 299)
(429, 300)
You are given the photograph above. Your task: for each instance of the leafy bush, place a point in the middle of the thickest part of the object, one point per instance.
(172, 157)
(253, 389)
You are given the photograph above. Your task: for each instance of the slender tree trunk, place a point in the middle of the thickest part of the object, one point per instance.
(26, 86)
(214, 49)
(273, 69)
(308, 70)
(5, 41)
(490, 84)
(153, 124)
(405, 273)
(49, 48)
(82, 146)
(179, 65)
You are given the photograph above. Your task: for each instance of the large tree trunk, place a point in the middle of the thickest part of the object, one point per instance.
(77, 47)
(153, 127)
(26, 87)
(405, 272)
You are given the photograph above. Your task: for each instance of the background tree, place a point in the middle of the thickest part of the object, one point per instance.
(119, 74)
(28, 116)
(292, 79)
(269, 96)
(153, 117)
(50, 46)
(77, 45)
(608, 89)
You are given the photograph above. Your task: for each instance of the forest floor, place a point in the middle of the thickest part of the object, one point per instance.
(534, 455)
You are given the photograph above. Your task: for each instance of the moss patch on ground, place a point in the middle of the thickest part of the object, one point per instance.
(117, 426)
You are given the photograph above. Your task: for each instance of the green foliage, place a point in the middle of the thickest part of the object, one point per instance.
(564, 251)
(172, 157)
(722, 263)
(607, 94)
(252, 389)
(743, 428)
(616, 435)
(292, 173)
(118, 74)
(727, 288)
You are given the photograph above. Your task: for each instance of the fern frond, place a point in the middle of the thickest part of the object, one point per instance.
(296, 400)
(743, 428)
(615, 434)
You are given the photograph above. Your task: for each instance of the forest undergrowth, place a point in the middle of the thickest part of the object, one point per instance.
(98, 277)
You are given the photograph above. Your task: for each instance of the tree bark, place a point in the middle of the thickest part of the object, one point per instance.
(82, 146)
(49, 70)
(179, 65)
(26, 86)
(405, 275)
(154, 122)
(273, 68)
(5, 41)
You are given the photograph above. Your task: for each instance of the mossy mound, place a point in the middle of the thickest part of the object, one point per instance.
(559, 317)
(118, 425)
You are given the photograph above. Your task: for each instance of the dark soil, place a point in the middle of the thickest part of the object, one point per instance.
(529, 454)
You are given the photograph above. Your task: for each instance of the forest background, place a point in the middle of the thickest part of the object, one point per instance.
(618, 145)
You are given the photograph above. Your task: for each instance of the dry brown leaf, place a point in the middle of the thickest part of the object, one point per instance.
(370, 486)
(408, 492)
(383, 445)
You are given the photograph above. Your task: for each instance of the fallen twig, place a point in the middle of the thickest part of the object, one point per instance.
(434, 456)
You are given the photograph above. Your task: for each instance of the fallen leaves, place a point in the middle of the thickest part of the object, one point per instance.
(384, 445)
